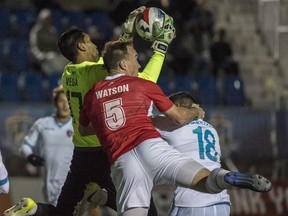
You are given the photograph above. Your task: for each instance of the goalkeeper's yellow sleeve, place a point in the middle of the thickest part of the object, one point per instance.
(153, 68)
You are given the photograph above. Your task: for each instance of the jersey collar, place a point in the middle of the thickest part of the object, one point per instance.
(114, 76)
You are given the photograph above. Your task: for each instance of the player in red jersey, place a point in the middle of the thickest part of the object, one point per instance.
(89, 165)
(117, 109)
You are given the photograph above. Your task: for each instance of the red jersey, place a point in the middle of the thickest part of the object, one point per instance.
(118, 110)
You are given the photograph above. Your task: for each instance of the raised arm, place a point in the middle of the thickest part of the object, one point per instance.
(160, 46)
(183, 115)
(165, 35)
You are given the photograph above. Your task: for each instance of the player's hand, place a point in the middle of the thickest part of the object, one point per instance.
(201, 112)
(36, 160)
(164, 35)
(129, 25)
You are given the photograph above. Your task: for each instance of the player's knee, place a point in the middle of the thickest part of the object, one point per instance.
(190, 173)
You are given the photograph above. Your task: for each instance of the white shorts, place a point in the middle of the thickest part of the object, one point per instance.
(222, 209)
(154, 161)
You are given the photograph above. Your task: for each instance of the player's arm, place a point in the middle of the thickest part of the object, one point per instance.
(165, 35)
(85, 127)
(160, 46)
(86, 130)
(4, 181)
(30, 141)
(153, 67)
(178, 115)
(183, 115)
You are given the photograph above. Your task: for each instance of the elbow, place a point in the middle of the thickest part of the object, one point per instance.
(81, 130)
(180, 120)
(86, 130)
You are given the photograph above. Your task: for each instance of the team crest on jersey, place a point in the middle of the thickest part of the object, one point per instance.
(69, 133)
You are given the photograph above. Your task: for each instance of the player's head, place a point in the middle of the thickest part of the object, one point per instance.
(121, 57)
(60, 102)
(182, 99)
(76, 46)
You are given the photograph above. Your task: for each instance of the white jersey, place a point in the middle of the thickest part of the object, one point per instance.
(52, 141)
(4, 182)
(200, 141)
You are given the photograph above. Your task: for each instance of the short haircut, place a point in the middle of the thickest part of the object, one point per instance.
(56, 93)
(182, 99)
(68, 41)
(114, 52)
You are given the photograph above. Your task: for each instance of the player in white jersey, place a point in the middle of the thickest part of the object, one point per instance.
(4, 181)
(49, 144)
(200, 141)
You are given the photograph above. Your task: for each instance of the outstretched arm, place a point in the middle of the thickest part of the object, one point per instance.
(153, 67)
(165, 35)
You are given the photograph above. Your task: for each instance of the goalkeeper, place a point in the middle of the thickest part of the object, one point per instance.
(89, 162)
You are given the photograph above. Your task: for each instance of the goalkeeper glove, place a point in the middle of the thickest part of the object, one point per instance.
(128, 26)
(164, 35)
(36, 160)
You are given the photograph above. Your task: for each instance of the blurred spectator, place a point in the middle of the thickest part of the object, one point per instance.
(199, 22)
(202, 65)
(194, 24)
(43, 45)
(205, 23)
(96, 36)
(181, 10)
(220, 51)
(231, 67)
(183, 53)
(119, 14)
(41, 4)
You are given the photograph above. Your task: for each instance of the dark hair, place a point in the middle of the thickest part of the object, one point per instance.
(182, 99)
(68, 41)
(114, 52)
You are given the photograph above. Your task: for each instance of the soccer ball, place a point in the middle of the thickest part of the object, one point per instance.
(144, 22)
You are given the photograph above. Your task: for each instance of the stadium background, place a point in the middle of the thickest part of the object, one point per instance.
(252, 125)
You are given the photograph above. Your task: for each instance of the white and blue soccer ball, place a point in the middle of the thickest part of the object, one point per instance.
(144, 22)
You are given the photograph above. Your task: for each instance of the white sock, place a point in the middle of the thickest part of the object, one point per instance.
(215, 182)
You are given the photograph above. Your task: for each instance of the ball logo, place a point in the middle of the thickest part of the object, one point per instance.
(146, 21)
(144, 27)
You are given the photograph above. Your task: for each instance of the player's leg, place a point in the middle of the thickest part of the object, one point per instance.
(94, 196)
(175, 167)
(73, 188)
(152, 208)
(219, 179)
(136, 211)
(133, 184)
(99, 178)
(222, 209)
(27, 206)
(222, 179)
(103, 177)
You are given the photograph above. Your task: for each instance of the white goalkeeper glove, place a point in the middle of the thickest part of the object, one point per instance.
(164, 35)
(128, 26)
